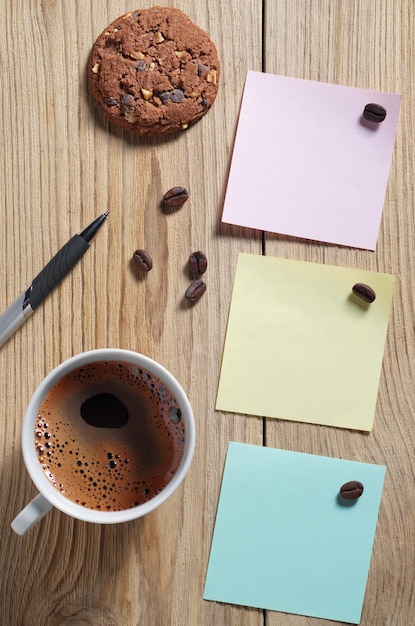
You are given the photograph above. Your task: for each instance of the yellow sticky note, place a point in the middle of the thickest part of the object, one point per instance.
(301, 346)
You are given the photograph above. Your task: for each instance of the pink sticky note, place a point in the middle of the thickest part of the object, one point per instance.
(307, 164)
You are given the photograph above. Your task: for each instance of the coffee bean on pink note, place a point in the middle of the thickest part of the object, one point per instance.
(374, 112)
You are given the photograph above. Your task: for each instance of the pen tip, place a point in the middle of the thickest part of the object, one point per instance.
(106, 214)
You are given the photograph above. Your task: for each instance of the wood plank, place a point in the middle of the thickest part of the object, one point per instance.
(61, 166)
(369, 45)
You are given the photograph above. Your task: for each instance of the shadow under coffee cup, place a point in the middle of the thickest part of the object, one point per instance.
(107, 437)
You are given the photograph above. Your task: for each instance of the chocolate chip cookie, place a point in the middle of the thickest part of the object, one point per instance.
(153, 71)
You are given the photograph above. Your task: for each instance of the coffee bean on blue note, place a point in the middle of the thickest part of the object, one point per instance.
(142, 261)
(197, 263)
(351, 490)
(374, 112)
(365, 292)
(195, 290)
(176, 196)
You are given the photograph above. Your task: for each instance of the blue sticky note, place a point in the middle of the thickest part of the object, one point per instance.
(284, 538)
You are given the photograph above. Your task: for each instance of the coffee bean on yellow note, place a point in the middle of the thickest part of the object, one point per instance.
(365, 292)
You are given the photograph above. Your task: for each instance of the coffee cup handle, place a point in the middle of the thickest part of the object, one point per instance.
(31, 514)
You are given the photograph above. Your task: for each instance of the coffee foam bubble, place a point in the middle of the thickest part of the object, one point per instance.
(110, 468)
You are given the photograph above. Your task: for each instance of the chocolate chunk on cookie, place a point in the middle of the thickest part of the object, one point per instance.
(153, 71)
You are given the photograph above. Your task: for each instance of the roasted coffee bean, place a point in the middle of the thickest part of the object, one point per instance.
(374, 112)
(365, 292)
(176, 196)
(351, 490)
(197, 263)
(142, 261)
(195, 290)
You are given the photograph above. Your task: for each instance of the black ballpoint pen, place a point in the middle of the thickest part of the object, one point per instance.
(47, 279)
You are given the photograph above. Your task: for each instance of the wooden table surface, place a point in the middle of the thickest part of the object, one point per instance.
(61, 166)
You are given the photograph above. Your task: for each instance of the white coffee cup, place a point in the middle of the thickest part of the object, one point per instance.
(48, 495)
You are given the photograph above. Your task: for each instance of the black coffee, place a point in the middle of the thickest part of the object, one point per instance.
(109, 435)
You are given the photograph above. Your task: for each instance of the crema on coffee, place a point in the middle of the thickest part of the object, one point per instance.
(109, 435)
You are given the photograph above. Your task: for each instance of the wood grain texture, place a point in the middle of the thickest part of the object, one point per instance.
(60, 166)
(369, 45)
